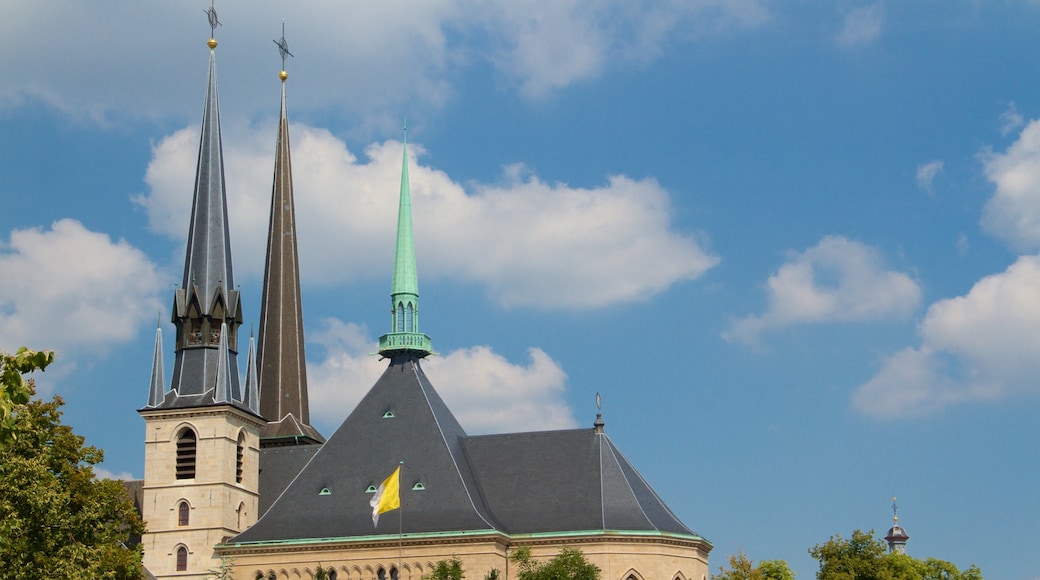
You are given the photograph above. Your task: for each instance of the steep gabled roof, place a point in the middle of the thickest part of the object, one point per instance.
(401, 419)
(565, 481)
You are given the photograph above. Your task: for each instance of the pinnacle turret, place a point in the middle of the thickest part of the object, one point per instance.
(404, 335)
(157, 388)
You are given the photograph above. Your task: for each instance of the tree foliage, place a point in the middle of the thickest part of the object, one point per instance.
(14, 388)
(446, 570)
(57, 519)
(864, 557)
(743, 568)
(569, 564)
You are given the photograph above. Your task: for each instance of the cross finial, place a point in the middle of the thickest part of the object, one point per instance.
(212, 14)
(283, 47)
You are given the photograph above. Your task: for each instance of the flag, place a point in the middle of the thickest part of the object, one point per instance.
(388, 496)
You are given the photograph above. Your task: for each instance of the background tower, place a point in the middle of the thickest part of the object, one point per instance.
(202, 436)
(897, 536)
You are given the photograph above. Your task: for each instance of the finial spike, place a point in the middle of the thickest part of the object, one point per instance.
(283, 49)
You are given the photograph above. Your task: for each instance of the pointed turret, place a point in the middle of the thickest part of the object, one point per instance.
(157, 389)
(404, 336)
(252, 389)
(207, 306)
(281, 358)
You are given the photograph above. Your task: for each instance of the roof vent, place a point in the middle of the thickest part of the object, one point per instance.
(388, 415)
(324, 491)
(418, 486)
(371, 489)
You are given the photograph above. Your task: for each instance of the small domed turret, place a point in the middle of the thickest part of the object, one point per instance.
(897, 536)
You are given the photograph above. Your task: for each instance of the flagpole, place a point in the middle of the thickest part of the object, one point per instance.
(400, 530)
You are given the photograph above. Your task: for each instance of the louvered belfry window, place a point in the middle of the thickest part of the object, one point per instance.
(186, 455)
(239, 457)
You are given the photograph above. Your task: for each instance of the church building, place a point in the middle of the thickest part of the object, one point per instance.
(237, 479)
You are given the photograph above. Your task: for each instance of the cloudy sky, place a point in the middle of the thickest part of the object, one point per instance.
(793, 245)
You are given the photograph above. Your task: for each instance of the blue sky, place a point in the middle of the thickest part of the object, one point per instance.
(794, 245)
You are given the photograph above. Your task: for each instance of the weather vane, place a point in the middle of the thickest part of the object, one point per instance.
(283, 47)
(895, 510)
(213, 22)
(599, 402)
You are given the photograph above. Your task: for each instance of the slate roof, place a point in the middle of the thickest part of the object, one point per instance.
(400, 419)
(278, 467)
(559, 481)
(520, 483)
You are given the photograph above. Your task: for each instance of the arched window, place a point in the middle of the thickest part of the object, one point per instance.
(182, 559)
(393, 573)
(331, 574)
(239, 457)
(183, 513)
(400, 317)
(381, 573)
(186, 455)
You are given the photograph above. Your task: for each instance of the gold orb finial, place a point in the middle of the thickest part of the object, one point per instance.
(283, 75)
(212, 43)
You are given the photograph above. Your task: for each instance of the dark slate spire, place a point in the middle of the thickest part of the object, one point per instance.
(404, 336)
(207, 307)
(281, 359)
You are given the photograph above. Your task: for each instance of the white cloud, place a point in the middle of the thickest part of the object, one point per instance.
(547, 45)
(981, 346)
(102, 473)
(926, 175)
(71, 289)
(530, 243)
(133, 59)
(837, 280)
(1011, 120)
(861, 26)
(1013, 213)
(486, 392)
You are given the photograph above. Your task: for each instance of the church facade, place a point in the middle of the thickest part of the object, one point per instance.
(237, 480)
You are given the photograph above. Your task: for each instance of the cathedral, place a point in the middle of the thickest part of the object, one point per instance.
(236, 479)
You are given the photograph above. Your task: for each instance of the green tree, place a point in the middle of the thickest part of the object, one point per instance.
(569, 564)
(322, 573)
(57, 519)
(864, 557)
(446, 570)
(14, 388)
(743, 568)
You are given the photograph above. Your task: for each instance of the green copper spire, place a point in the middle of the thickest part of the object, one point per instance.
(404, 335)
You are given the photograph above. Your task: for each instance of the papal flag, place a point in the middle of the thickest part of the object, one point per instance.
(388, 496)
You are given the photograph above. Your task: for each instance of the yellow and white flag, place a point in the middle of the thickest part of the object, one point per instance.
(388, 496)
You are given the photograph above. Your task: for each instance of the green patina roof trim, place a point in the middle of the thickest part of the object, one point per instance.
(464, 534)
(359, 539)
